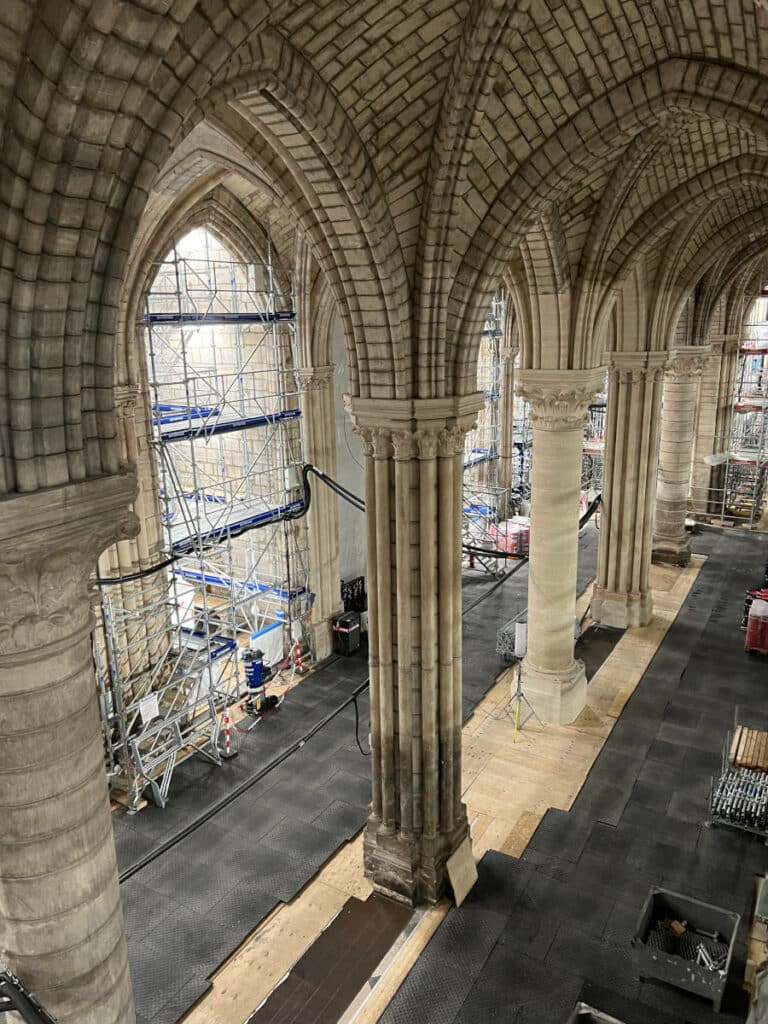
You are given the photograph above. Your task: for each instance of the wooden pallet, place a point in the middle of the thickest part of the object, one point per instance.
(749, 749)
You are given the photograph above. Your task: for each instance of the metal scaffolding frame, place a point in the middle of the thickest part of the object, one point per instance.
(746, 466)
(226, 422)
(487, 498)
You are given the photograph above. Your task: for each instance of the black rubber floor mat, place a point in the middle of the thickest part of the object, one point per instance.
(637, 822)
(594, 645)
(327, 978)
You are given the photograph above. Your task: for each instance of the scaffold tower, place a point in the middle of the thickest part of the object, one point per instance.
(226, 428)
(746, 465)
(491, 495)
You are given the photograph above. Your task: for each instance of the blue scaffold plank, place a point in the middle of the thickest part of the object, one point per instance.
(480, 455)
(229, 426)
(205, 319)
(194, 576)
(219, 646)
(173, 413)
(220, 533)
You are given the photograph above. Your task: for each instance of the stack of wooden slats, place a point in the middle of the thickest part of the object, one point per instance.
(749, 749)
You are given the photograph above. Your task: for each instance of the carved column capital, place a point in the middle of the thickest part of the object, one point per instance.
(412, 427)
(51, 540)
(314, 378)
(637, 367)
(427, 441)
(687, 361)
(404, 445)
(559, 399)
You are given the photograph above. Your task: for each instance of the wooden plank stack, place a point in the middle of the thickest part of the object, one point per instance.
(749, 749)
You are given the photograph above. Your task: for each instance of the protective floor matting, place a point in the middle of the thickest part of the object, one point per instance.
(538, 934)
(327, 978)
(191, 906)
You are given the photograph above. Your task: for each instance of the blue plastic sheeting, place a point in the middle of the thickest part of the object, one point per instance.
(479, 510)
(220, 318)
(230, 426)
(224, 581)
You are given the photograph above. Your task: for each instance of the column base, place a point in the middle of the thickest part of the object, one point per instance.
(322, 640)
(410, 869)
(621, 611)
(671, 552)
(556, 697)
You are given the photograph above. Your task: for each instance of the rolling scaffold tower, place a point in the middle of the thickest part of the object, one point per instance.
(226, 424)
(493, 491)
(746, 466)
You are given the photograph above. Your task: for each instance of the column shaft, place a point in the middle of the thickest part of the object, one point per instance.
(323, 519)
(413, 457)
(61, 925)
(555, 682)
(622, 595)
(670, 541)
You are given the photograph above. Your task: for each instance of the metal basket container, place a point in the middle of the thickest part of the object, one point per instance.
(656, 962)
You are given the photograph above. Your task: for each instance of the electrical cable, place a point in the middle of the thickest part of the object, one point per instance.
(243, 787)
(365, 753)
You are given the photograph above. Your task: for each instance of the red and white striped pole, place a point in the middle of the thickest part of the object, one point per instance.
(228, 751)
(297, 659)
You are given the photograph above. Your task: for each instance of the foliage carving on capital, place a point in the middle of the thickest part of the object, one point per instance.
(314, 378)
(366, 440)
(44, 582)
(683, 367)
(450, 441)
(404, 445)
(428, 443)
(381, 440)
(556, 407)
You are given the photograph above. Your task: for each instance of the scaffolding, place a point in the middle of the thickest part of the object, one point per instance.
(226, 424)
(747, 457)
(593, 457)
(493, 491)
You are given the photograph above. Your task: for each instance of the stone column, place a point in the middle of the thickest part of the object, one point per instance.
(317, 412)
(61, 923)
(671, 544)
(413, 468)
(507, 451)
(622, 594)
(554, 681)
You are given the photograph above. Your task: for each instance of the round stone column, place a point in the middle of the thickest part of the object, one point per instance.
(61, 923)
(414, 454)
(554, 681)
(671, 544)
(622, 593)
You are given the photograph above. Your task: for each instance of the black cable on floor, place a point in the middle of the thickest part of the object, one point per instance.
(244, 786)
(496, 585)
(365, 753)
